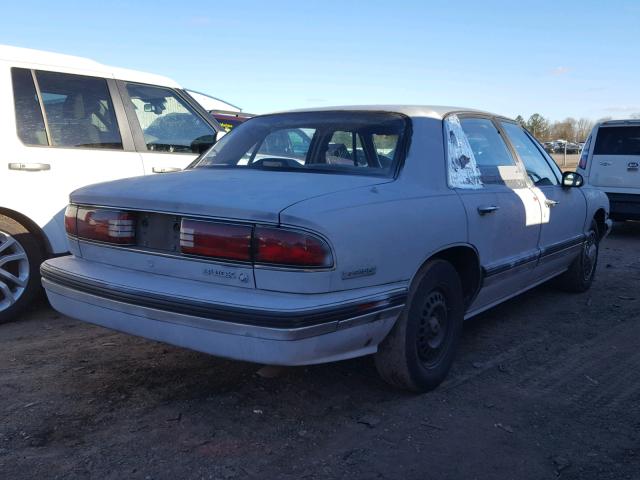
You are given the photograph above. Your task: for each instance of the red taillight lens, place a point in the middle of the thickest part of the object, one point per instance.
(219, 240)
(285, 247)
(583, 159)
(106, 225)
(70, 215)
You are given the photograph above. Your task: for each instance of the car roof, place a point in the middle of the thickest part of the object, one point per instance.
(40, 59)
(630, 122)
(430, 111)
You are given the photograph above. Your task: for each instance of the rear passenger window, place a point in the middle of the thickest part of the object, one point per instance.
(491, 154)
(79, 111)
(168, 122)
(29, 121)
(617, 141)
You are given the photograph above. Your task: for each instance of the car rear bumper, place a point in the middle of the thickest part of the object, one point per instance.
(624, 206)
(315, 329)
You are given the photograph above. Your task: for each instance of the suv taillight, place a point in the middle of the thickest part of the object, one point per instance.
(583, 159)
(260, 245)
(101, 224)
(276, 246)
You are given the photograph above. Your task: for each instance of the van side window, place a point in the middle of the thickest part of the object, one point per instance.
(79, 111)
(29, 121)
(168, 122)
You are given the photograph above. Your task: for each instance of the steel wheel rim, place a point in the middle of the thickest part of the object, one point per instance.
(14, 270)
(433, 329)
(589, 255)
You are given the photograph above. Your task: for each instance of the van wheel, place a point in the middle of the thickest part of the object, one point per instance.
(419, 350)
(20, 258)
(580, 275)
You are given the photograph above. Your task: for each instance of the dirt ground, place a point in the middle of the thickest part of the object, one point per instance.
(545, 386)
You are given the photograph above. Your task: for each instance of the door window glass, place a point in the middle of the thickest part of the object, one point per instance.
(168, 122)
(29, 121)
(79, 111)
(491, 154)
(536, 165)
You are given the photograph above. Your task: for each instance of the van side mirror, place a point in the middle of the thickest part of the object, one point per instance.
(572, 179)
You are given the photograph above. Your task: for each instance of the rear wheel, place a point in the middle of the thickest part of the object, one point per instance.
(419, 350)
(580, 275)
(20, 258)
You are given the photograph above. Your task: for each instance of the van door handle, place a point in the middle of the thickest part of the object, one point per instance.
(165, 169)
(488, 209)
(551, 203)
(30, 167)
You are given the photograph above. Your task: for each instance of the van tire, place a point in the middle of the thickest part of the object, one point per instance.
(20, 276)
(429, 326)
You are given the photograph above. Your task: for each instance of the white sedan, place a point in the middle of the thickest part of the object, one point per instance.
(315, 236)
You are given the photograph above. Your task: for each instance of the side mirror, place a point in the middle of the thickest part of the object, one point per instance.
(572, 179)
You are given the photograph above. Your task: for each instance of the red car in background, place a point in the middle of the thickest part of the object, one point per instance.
(229, 119)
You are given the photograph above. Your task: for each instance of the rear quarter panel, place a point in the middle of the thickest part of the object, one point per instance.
(381, 234)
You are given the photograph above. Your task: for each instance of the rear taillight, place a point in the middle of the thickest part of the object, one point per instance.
(276, 246)
(70, 216)
(260, 245)
(218, 240)
(102, 224)
(583, 159)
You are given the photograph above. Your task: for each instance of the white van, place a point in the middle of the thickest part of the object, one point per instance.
(67, 122)
(610, 160)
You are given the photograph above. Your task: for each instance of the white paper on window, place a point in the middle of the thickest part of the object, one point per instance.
(463, 169)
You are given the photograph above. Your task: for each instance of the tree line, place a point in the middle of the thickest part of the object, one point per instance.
(569, 129)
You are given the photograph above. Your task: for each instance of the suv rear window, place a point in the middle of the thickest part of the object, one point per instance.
(618, 141)
(349, 142)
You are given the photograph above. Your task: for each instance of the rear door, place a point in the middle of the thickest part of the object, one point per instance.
(503, 214)
(69, 131)
(616, 158)
(564, 210)
(168, 129)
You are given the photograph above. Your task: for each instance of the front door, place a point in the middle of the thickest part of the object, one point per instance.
(563, 209)
(503, 214)
(169, 132)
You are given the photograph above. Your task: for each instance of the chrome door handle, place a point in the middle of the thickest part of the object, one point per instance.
(30, 167)
(551, 203)
(165, 169)
(488, 209)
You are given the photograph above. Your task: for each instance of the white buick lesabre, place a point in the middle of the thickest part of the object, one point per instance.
(315, 236)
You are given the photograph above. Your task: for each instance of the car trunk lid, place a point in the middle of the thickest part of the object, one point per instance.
(241, 194)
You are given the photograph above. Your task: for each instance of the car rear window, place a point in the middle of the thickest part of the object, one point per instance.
(227, 122)
(618, 141)
(349, 142)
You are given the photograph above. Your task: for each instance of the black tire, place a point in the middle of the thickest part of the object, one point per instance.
(419, 350)
(23, 295)
(580, 275)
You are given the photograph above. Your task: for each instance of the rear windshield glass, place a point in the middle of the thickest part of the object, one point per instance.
(358, 143)
(227, 122)
(618, 141)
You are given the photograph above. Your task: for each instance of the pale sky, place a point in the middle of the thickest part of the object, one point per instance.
(557, 58)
